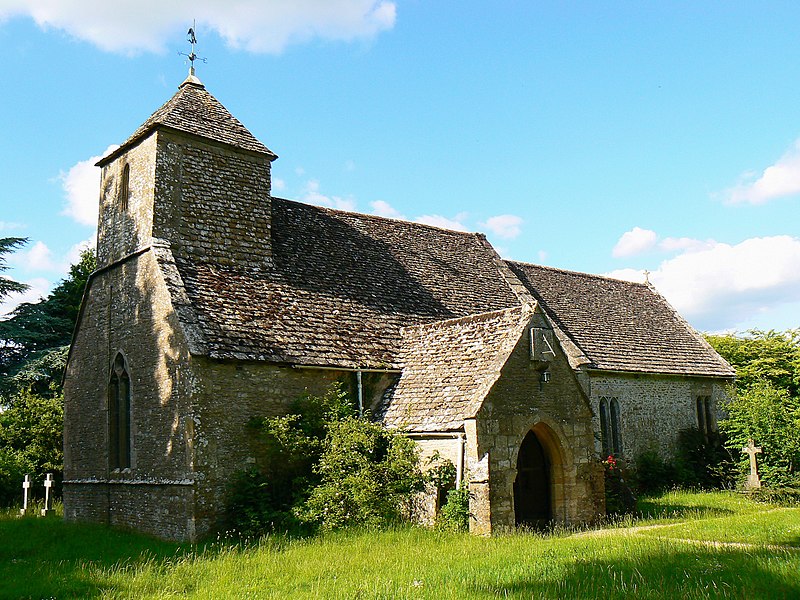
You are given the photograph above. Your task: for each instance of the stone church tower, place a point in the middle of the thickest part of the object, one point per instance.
(191, 185)
(192, 176)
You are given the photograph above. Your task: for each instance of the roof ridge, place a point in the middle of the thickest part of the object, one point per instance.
(572, 272)
(376, 217)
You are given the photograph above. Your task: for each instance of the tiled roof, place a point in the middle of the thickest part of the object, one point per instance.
(194, 110)
(449, 367)
(619, 325)
(341, 287)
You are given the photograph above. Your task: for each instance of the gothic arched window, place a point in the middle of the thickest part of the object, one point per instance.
(119, 416)
(705, 420)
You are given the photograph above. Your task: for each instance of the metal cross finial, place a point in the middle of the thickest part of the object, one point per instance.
(192, 39)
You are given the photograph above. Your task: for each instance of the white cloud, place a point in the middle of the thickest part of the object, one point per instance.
(131, 26)
(727, 286)
(81, 185)
(384, 209)
(776, 181)
(312, 195)
(38, 258)
(635, 241)
(9, 226)
(504, 226)
(671, 244)
(39, 288)
(74, 253)
(278, 185)
(638, 241)
(633, 275)
(443, 222)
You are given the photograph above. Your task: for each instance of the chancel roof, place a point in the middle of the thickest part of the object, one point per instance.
(341, 287)
(195, 111)
(449, 368)
(620, 325)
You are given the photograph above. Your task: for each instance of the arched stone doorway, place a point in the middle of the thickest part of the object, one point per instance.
(533, 501)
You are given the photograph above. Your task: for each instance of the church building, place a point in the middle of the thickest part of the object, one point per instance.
(215, 302)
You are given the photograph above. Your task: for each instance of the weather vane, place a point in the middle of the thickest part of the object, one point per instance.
(190, 37)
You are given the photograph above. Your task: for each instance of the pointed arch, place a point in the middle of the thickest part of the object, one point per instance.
(540, 471)
(119, 415)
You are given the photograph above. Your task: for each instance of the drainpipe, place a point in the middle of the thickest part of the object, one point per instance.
(460, 466)
(360, 394)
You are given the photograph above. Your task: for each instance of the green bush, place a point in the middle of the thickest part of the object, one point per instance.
(652, 474)
(454, 513)
(324, 468)
(368, 475)
(700, 462)
(703, 462)
(771, 417)
(30, 443)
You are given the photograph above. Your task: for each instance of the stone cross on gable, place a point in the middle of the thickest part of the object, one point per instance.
(48, 498)
(753, 482)
(26, 491)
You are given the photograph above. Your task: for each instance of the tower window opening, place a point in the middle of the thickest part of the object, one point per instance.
(124, 187)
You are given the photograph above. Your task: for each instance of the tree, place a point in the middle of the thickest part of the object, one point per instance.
(30, 442)
(770, 416)
(36, 336)
(7, 286)
(764, 403)
(34, 344)
(772, 356)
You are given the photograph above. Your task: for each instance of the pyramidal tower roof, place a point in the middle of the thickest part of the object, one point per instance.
(195, 111)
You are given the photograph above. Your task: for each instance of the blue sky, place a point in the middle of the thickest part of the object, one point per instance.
(600, 137)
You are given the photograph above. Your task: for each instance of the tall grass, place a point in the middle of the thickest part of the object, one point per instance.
(45, 557)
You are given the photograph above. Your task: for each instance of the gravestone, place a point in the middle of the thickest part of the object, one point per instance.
(26, 491)
(753, 482)
(48, 498)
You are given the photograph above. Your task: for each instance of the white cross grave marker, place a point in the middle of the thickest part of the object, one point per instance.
(26, 486)
(753, 482)
(48, 499)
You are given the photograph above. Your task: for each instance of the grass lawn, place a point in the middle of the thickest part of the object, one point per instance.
(669, 553)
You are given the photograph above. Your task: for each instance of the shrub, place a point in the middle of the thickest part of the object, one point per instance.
(30, 443)
(325, 468)
(454, 514)
(652, 474)
(771, 417)
(619, 496)
(702, 461)
(368, 475)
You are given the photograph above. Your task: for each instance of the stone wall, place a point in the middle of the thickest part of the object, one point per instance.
(127, 311)
(121, 231)
(213, 202)
(653, 408)
(228, 397)
(558, 412)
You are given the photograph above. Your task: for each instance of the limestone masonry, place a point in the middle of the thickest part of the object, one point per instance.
(215, 302)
